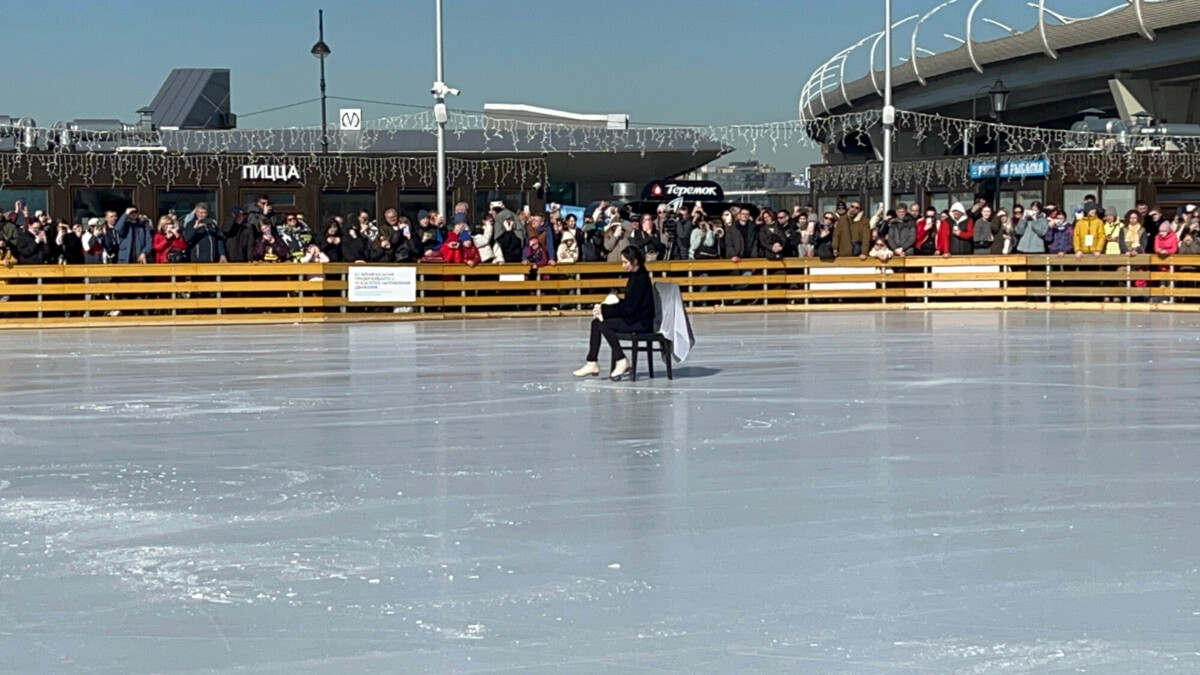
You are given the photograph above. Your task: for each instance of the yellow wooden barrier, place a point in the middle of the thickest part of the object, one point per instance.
(96, 295)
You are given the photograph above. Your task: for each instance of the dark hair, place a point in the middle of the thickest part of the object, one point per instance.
(263, 198)
(891, 213)
(634, 255)
(1036, 205)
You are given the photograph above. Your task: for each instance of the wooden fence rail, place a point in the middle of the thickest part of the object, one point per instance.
(95, 295)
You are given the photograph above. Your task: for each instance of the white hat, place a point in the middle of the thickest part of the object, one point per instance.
(958, 207)
(1189, 208)
(496, 205)
(94, 222)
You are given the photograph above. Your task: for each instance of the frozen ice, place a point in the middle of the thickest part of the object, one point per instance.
(971, 492)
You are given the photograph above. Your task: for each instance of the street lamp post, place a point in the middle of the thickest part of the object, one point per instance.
(440, 114)
(999, 95)
(321, 50)
(889, 112)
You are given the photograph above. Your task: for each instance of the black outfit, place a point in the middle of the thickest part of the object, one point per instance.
(31, 252)
(768, 236)
(823, 243)
(652, 247)
(239, 241)
(72, 249)
(355, 248)
(205, 242)
(741, 241)
(511, 248)
(633, 314)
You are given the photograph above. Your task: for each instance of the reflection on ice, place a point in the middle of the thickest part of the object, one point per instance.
(834, 493)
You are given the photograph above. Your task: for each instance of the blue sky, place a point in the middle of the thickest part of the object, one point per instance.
(661, 61)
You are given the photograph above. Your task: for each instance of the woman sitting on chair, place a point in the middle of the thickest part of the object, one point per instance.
(633, 314)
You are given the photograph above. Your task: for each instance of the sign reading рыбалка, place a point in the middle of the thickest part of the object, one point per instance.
(1015, 168)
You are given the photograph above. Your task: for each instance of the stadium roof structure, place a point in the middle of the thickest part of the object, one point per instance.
(1132, 36)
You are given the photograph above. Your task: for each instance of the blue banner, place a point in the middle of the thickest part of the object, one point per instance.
(1016, 168)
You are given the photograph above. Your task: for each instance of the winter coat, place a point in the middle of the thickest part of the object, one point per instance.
(652, 247)
(1089, 235)
(452, 252)
(903, 235)
(93, 249)
(984, 234)
(508, 247)
(1189, 246)
(768, 236)
(1112, 238)
(823, 244)
(239, 241)
(163, 246)
(960, 243)
(1060, 240)
(1031, 234)
(483, 242)
(615, 241)
(704, 245)
(426, 238)
(537, 257)
(742, 242)
(355, 249)
(9, 230)
(568, 252)
(136, 239)
(1164, 244)
(72, 249)
(852, 237)
(204, 239)
(274, 251)
(332, 249)
(637, 307)
(1133, 240)
(931, 236)
(32, 252)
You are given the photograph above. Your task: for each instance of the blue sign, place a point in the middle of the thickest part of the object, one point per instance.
(1017, 168)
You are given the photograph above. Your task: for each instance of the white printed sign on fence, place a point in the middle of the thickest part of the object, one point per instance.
(383, 284)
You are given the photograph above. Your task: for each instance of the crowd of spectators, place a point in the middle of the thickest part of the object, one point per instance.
(258, 234)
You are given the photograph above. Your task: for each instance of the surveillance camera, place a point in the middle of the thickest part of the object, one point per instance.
(452, 92)
(537, 185)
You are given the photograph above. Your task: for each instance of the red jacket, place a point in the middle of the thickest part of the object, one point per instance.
(163, 247)
(945, 231)
(452, 255)
(1166, 244)
(921, 234)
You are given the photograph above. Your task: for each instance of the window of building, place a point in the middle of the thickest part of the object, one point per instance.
(92, 203)
(35, 199)
(412, 202)
(181, 202)
(347, 204)
(285, 200)
(514, 200)
(563, 193)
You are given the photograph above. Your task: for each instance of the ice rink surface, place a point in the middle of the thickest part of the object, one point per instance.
(827, 493)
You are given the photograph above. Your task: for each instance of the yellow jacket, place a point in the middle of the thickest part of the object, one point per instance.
(1089, 235)
(1112, 232)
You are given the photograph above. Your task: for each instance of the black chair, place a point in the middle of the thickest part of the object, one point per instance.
(647, 343)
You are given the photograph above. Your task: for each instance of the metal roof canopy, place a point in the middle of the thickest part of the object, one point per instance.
(194, 98)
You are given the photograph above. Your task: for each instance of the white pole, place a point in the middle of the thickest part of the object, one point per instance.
(440, 98)
(889, 113)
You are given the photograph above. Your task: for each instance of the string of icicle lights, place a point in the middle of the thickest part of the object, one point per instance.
(374, 154)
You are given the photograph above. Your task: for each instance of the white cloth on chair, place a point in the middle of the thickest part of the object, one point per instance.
(674, 324)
